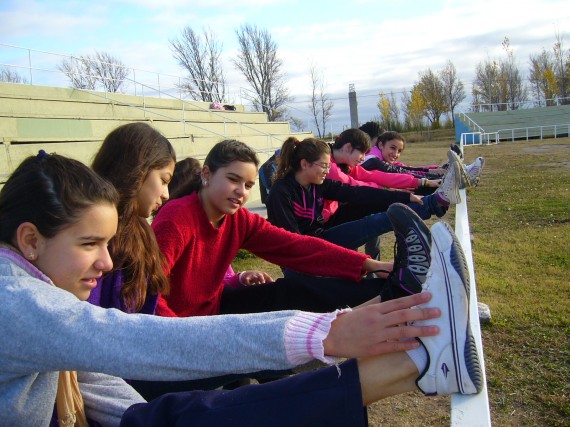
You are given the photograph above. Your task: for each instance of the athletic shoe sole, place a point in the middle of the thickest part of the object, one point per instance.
(464, 178)
(451, 178)
(453, 366)
(474, 171)
(413, 241)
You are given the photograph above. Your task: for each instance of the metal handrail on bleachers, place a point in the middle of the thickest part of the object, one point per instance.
(527, 131)
(224, 118)
(160, 90)
(466, 118)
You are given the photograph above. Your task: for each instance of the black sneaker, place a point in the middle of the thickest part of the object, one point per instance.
(455, 147)
(411, 254)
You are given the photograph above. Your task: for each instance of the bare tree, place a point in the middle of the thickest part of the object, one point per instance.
(513, 90)
(498, 84)
(453, 88)
(296, 124)
(80, 72)
(321, 106)
(486, 86)
(110, 71)
(562, 69)
(432, 92)
(10, 76)
(86, 71)
(200, 55)
(258, 61)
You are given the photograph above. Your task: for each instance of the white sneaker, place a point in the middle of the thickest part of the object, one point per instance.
(454, 158)
(449, 188)
(474, 171)
(453, 363)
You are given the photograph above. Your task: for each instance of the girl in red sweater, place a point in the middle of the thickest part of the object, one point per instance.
(201, 233)
(185, 171)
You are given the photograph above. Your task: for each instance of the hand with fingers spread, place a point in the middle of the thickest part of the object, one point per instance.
(378, 328)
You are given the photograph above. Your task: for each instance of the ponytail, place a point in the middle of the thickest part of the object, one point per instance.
(293, 151)
(221, 155)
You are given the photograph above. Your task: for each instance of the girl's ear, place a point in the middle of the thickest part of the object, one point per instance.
(304, 164)
(28, 240)
(205, 174)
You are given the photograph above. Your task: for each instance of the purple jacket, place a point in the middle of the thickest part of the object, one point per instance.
(107, 294)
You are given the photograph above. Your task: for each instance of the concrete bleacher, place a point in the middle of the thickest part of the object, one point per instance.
(74, 122)
(527, 123)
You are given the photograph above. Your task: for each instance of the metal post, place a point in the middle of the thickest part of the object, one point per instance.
(353, 104)
(30, 65)
(158, 80)
(135, 81)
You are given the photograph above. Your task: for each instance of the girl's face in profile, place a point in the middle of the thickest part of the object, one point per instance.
(317, 171)
(391, 150)
(77, 256)
(154, 190)
(227, 189)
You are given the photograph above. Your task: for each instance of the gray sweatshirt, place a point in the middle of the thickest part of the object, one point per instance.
(45, 330)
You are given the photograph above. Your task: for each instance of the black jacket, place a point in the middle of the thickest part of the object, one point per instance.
(300, 210)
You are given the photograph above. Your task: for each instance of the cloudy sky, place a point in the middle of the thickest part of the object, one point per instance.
(377, 45)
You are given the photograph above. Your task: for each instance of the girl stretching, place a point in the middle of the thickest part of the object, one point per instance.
(56, 219)
(301, 191)
(201, 233)
(385, 152)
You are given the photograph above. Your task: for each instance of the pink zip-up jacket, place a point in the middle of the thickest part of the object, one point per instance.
(375, 152)
(360, 176)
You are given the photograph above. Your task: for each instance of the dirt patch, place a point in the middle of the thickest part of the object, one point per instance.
(555, 150)
(549, 148)
(563, 164)
(410, 410)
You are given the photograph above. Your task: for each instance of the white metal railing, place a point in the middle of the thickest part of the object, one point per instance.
(540, 131)
(38, 68)
(477, 138)
(470, 410)
(520, 105)
(465, 118)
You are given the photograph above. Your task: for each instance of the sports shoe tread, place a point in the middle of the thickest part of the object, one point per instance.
(463, 363)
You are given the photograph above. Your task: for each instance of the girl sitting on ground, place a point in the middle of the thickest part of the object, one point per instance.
(302, 189)
(201, 233)
(188, 170)
(387, 159)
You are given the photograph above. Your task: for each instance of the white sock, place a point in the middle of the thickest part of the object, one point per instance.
(420, 357)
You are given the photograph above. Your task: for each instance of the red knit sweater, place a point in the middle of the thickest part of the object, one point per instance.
(198, 254)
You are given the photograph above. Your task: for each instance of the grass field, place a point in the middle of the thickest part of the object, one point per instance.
(520, 221)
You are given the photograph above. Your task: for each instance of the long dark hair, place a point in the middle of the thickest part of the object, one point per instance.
(51, 192)
(372, 129)
(293, 151)
(126, 157)
(389, 136)
(185, 171)
(221, 155)
(358, 139)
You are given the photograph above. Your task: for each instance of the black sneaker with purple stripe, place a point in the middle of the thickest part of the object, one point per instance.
(412, 253)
